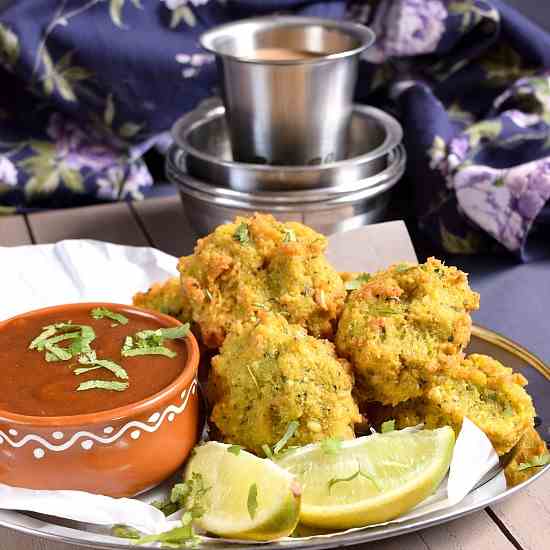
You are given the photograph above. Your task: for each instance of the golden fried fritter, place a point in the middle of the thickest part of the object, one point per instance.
(401, 325)
(530, 446)
(258, 264)
(479, 387)
(165, 297)
(270, 373)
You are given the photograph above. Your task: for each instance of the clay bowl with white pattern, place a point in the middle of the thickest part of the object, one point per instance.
(76, 424)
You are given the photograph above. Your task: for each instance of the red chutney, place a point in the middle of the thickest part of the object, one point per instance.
(32, 386)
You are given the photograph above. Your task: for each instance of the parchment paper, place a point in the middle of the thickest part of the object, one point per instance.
(83, 270)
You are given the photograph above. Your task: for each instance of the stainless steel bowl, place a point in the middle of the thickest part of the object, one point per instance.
(203, 137)
(208, 205)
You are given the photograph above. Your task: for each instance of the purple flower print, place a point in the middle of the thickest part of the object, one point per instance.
(520, 119)
(407, 28)
(76, 148)
(117, 183)
(504, 202)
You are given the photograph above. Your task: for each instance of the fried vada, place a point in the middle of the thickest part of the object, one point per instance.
(401, 325)
(258, 264)
(491, 395)
(270, 373)
(165, 297)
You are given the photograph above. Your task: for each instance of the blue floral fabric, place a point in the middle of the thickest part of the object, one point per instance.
(88, 86)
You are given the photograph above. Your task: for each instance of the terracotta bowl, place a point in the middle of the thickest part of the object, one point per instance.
(118, 452)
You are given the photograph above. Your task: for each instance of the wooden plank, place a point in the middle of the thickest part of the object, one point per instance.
(166, 225)
(107, 222)
(13, 231)
(526, 515)
(471, 532)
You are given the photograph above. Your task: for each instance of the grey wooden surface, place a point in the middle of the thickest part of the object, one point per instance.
(521, 523)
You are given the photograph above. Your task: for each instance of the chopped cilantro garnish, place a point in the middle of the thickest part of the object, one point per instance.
(153, 350)
(90, 358)
(241, 234)
(535, 462)
(388, 426)
(160, 334)
(381, 311)
(55, 353)
(402, 268)
(267, 450)
(290, 431)
(290, 236)
(125, 532)
(102, 312)
(358, 473)
(150, 342)
(80, 336)
(331, 446)
(175, 538)
(358, 282)
(234, 449)
(188, 496)
(252, 501)
(102, 385)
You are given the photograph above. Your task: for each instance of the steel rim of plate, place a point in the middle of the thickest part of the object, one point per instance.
(369, 187)
(93, 540)
(213, 108)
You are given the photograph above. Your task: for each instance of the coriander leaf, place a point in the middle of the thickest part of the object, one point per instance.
(90, 359)
(165, 506)
(381, 311)
(102, 312)
(252, 501)
(260, 306)
(55, 353)
(290, 236)
(535, 462)
(42, 337)
(234, 449)
(170, 333)
(84, 370)
(190, 495)
(388, 426)
(402, 268)
(128, 343)
(358, 473)
(267, 450)
(358, 282)
(241, 234)
(125, 532)
(290, 431)
(57, 339)
(179, 536)
(331, 446)
(102, 385)
(156, 350)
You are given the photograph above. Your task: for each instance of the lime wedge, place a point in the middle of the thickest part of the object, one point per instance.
(371, 479)
(248, 497)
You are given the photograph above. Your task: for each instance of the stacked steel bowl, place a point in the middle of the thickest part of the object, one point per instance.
(286, 137)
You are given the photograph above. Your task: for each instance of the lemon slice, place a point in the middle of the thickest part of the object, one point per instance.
(248, 497)
(371, 479)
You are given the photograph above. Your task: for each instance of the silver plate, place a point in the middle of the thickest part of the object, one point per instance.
(483, 341)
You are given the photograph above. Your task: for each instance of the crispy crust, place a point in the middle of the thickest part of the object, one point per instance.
(274, 266)
(269, 373)
(402, 325)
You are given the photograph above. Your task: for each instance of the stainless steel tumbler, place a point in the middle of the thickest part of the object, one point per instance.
(288, 111)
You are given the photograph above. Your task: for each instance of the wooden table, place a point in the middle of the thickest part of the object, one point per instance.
(521, 523)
